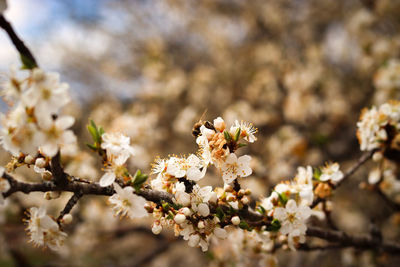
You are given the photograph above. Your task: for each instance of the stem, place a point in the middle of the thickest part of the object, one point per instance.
(18, 43)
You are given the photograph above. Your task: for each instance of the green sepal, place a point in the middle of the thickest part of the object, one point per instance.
(245, 226)
(165, 206)
(92, 147)
(237, 134)
(317, 173)
(241, 145)
(139, 179)
(283, 198)
(220, 214)
(261, 209)
(227, 136)
(274, 226)
(27, 63)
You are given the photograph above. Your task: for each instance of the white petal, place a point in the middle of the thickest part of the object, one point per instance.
(107, 179)
(64, 122)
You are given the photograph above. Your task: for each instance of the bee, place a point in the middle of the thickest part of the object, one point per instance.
(196, 127)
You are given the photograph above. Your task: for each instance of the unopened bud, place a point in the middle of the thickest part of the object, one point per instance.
(230, 198)
(241, 193)
(245, 200)
(228, 188)
(247, 191)
(186, 211)
(377, 156)
(148, 208)
(46, 175)
(200, 225)
(40, 163)
(52, 195)
(156, 228)
(179, 218)
(67, 219)
(235, 220)
(29, 159)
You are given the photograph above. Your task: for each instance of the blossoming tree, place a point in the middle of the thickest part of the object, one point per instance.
(35, 132)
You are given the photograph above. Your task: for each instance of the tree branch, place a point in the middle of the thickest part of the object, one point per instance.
(363, 159)
(24, 52)
(362, 242)
(70, 204)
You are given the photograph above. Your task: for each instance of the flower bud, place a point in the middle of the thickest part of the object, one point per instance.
(228, 188)
(377, 156)
(200, 225)
(245, 200)
(235, 220)
(148, 208)
(67, 219)
(179, 218)
(52, 195)
(219, 124)
(29, 159)
(46, 175)
(156, 228)
(40, 163)
(247, 192)
(186, 211)
(241, 192)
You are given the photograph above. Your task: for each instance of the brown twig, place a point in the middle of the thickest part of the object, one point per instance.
(18, 43)
(363, 159)
(70, 204)
(362, 241)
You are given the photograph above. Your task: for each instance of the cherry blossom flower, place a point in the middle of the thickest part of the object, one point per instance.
(46, 93)
(19, 134)
(116, 144)
(247, 130)
(303, 184)
(331, 172)
(43, 230)
(292, 217)
(234, 167)
(126, 203)
(189, 167)
(114, 169)
(56, 134)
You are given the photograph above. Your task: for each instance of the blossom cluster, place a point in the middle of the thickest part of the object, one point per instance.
(378, 127)
(290, 204)
(34, 122)
(44, 230)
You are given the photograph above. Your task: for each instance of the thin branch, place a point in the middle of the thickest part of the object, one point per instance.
(60, 177)
(363, 159)
(362, 241)
(70, 204)
(18, 43)
(393, 205)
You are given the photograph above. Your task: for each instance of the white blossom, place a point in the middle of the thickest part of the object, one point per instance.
(56, 134)
(43, 230)
(116, 144)
(234, 167)
(46, 93)
(247, 130)
(331, 172)
(114, 169)
(126, 203)
(292, 217)
(189, 167)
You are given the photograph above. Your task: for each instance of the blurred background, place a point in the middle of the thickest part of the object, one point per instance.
(299, 70)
